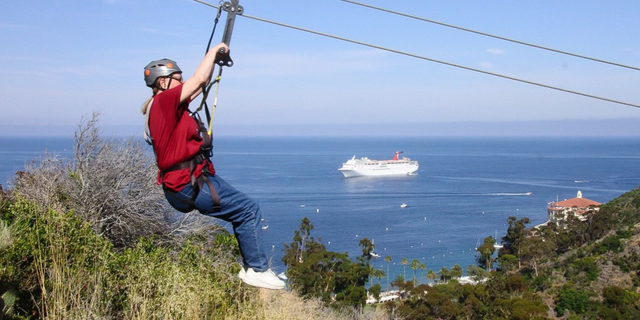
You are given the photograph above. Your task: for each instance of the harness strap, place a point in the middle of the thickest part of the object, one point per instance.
(196, 182)
(147, 133)
(215, 198)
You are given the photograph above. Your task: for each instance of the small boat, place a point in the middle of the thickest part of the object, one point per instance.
(528, 193)
(404, 205)
(374, 254)
(265, 227)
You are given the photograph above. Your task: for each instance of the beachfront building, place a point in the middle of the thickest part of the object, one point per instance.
(579, 206)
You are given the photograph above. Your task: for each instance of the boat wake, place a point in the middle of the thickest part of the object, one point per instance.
(510, 194)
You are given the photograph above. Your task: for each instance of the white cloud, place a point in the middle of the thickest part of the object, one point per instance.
(496, 51)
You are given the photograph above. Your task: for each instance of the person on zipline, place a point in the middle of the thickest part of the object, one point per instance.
(183, 147)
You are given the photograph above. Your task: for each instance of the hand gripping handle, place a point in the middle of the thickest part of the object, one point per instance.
(232, 8)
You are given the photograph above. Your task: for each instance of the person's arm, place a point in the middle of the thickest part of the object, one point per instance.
(193, 86)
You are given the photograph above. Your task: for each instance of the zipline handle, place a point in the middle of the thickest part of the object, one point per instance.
(232, 8)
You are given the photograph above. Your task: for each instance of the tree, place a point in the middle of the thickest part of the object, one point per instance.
(378, 273)
(456, 271)
(431, 275)
(404, 263)
(507, 262)
(515, 234)
(572, 300)
(375, 291)
(367, 248)
(422, 267)
(476, 273)
(444, 273)
(296, 249)
(372, 272)
(533, 250)
(486, 251)
(414, 266)
(315, 272)
(388, 259)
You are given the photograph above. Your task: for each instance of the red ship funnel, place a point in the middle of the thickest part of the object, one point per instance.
(395, 157)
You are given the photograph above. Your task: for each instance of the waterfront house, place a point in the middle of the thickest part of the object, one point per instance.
(579, 206)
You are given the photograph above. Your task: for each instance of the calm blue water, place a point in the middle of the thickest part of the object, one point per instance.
(464, 191)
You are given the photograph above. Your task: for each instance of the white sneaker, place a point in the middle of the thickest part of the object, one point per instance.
(266, 279)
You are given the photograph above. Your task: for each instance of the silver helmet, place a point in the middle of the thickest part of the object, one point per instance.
(159, 68)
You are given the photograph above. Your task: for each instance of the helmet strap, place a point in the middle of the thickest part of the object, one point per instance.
(168, 84)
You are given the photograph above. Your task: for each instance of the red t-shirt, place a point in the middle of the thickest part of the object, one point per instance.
(176, 137)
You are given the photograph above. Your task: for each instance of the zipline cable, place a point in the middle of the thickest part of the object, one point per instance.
(429, 59)
(490, 35)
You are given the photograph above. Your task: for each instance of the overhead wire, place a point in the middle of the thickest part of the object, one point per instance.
(490, 35)
(427, 58)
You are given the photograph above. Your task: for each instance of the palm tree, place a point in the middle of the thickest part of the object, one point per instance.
(387, 259)
(367, 247)
(422, 266)
(378, 273)
(444, 273)
(414, 266)
(404, 266)
(372, 272)
(431, 275)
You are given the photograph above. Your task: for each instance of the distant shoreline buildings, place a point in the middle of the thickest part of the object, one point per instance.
(580, 207)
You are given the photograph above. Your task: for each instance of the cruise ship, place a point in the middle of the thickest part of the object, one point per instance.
(367, 167)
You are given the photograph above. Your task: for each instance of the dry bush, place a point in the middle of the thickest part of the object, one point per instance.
(111, 184)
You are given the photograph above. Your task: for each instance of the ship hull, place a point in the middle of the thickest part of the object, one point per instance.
(381, 171)
(368, 167)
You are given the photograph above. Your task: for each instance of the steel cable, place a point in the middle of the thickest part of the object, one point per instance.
(491, 35)
(428, 59)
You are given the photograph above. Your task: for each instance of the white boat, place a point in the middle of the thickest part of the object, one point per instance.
(265, 227)
(374, 254)
(368, 167)
(404, 205)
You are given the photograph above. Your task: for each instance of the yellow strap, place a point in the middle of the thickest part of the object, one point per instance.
(215, 102)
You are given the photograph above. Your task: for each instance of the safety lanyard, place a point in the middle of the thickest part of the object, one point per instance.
(232, 8)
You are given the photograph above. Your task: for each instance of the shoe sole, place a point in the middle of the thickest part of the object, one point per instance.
(262, 285)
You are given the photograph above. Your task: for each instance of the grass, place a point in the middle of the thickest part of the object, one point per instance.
(5, 236)
(61, 269)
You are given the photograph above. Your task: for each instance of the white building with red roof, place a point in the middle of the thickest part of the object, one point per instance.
(579, 206)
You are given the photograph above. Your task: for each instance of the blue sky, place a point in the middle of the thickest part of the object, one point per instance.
(64, 59)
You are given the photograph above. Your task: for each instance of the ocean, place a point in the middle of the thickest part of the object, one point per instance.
(464, 191)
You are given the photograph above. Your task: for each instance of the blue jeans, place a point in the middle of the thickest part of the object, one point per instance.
(237, 208)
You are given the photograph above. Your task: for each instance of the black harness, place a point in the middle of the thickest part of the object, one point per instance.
(196, 182)
(232, 8)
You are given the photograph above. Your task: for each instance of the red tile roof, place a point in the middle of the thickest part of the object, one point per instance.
(576, 202)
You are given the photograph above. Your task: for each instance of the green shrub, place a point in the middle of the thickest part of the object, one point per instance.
(60, 269)
(572, 300)
(585, 265)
